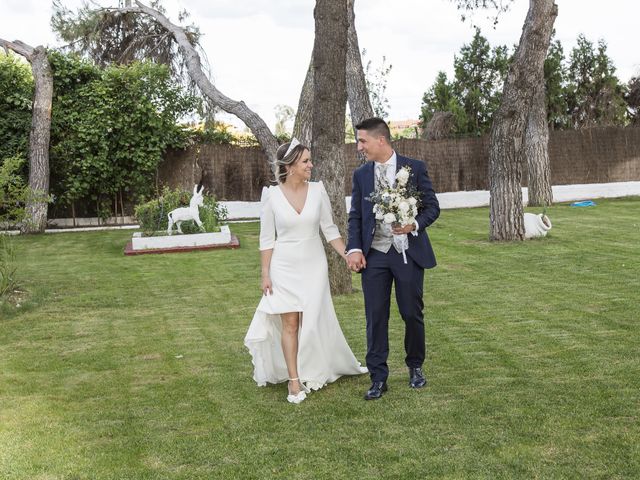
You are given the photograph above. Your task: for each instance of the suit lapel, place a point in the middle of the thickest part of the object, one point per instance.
(368, 188)
(400, 162)
(404, 162)
(369, 178)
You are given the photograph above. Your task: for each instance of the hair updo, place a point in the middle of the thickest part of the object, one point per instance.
(283, 160)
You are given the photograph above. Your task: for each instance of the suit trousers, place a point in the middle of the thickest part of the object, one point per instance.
(383, 270)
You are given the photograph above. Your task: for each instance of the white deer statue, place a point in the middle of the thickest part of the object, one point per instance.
(183, 214)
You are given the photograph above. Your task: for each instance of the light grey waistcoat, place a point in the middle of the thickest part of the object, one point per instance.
(382, 237)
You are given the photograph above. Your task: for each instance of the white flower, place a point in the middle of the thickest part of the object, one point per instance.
(389, 218)
(379, 215)
(402, 176)
(412, 201)
(404, 206)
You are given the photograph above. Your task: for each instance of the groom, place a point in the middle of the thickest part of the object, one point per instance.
(370, 250)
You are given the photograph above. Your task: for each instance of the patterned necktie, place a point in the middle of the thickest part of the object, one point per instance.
(382, 181)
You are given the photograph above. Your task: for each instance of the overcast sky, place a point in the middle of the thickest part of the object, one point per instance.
(259, 50)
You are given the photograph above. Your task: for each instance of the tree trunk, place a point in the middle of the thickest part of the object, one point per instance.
(536, 151)
(192, 60)
(329, 106)
(303, 124)
(36, 208)
(121, 206)
(510, 120)
(35, 220)
(357, 92)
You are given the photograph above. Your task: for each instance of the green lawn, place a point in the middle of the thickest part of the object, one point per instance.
(134, 368)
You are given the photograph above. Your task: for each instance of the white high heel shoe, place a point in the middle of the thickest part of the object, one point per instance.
(298, 397)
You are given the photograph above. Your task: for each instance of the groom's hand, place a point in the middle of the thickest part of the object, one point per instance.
(404, 229)
(356, 261)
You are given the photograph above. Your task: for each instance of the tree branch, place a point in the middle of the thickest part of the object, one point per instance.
(192, 60)
(18, 47)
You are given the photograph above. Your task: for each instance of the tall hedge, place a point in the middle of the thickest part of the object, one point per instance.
(111, 127)
(16, 97)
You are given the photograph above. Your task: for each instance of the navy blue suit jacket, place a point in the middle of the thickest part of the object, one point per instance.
(362, 221)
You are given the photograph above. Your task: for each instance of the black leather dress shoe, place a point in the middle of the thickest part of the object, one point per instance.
(376, 390)
(416, 378)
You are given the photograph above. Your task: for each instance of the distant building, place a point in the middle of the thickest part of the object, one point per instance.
(405, 128)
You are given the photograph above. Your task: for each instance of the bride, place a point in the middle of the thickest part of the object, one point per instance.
(294, 334)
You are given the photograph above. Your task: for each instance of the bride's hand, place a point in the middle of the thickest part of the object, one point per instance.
(267, 289)
(356, 261)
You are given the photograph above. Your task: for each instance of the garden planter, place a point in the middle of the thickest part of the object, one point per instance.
(536, 225)
(178, 243)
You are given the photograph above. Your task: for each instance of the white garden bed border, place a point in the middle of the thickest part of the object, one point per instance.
(223, 237)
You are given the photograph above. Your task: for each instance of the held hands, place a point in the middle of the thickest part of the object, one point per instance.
(356, 261)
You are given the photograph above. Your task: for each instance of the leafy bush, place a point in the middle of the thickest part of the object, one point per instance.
(13, 191)
(8, 268)
(152, 215)
(111, 127)
(217, 133)
(16, 97)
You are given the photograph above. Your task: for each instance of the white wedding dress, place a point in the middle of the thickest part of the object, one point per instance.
(299, 276)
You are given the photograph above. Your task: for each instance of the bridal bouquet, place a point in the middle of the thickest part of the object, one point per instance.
(397, 205)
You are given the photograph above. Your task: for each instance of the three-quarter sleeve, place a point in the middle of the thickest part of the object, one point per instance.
(267, 222)
(329, 229)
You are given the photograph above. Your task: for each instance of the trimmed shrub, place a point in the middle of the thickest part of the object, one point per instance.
(152, 215)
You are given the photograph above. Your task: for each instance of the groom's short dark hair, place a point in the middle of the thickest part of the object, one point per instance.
(375, 126)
